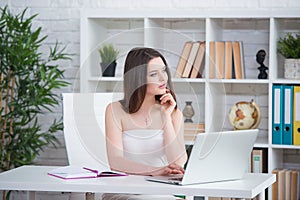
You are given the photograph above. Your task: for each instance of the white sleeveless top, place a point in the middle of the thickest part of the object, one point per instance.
(145, 146)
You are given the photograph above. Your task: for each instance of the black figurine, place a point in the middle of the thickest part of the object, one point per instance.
(260, 57)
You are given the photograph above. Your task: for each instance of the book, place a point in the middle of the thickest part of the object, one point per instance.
(192, 129)
(190, 61)
(278, 188)
(242, 59)
(275, 185)
(219, 59)
(281, 184)
(198, 67)
(183, 59)
(259, 161)
(228, 60)
(76, 172)
(237, 60)
(212, 60)
(287, 185)
(193, 126)
(295, 185)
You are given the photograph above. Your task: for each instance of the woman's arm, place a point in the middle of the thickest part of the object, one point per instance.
(173, 131)
(174, 138)
(114, 145)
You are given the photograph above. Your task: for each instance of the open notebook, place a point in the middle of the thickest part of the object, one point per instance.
(76, 172)
(217, 156)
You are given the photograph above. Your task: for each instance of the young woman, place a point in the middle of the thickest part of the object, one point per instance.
(144, 131)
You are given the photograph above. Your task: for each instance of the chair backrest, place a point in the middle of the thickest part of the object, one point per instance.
(84, 127)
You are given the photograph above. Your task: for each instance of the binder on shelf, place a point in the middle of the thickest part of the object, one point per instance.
(190, 61)
(296, 119)
(277, 117)
(183, 59)
(288, 115)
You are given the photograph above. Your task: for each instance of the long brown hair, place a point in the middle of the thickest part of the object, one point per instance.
(135, 77)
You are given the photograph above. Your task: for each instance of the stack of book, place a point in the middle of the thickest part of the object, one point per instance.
(191, 130)
(226, 60)
(287, 185)
(192, 60)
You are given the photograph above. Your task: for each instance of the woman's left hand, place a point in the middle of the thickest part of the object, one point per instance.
(168, 103)
(167, 170)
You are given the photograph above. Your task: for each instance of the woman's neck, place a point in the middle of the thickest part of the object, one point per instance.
(147, 105)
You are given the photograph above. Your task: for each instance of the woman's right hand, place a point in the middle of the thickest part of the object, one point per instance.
(169, 169)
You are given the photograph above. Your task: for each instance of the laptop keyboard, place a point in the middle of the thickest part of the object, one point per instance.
(175, 179)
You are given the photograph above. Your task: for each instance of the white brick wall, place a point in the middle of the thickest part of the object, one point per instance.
(60, 20)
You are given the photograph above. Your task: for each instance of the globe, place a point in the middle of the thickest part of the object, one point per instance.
(245, 115)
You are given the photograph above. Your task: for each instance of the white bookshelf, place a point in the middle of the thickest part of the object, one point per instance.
(167, 31)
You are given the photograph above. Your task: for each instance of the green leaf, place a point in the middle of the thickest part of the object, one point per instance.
(108, 53)
(37, 76)
(289, 45)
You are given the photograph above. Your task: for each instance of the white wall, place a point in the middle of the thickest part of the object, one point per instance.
(60, 20)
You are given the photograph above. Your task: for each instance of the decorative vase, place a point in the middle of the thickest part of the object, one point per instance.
(188, 112)
(108, 69)
(292, 68)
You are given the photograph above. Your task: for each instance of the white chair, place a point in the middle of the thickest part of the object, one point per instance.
(84, 129)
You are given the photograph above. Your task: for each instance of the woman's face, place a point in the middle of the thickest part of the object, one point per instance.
(157, 77)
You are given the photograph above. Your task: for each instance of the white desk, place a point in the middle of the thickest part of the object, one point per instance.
(35, 178)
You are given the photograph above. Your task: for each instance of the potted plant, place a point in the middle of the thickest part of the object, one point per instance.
(289, 47)
(108, 54)
(28, 81)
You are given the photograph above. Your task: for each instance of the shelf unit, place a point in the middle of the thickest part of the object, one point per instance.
(168, 31)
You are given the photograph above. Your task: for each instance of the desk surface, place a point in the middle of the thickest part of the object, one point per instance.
(35, 178)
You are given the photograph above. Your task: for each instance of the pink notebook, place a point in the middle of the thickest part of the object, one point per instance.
(76, 172)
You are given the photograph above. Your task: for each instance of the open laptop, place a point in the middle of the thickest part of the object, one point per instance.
(217, 156)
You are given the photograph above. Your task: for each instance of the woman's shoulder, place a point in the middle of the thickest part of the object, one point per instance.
(115, 110)
(114, 106)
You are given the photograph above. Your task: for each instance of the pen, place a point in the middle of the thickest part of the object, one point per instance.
(91, 170)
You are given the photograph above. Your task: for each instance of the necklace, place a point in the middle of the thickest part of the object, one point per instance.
(148, 120)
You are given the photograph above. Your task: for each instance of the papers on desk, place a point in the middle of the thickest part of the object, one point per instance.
(76, 172)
